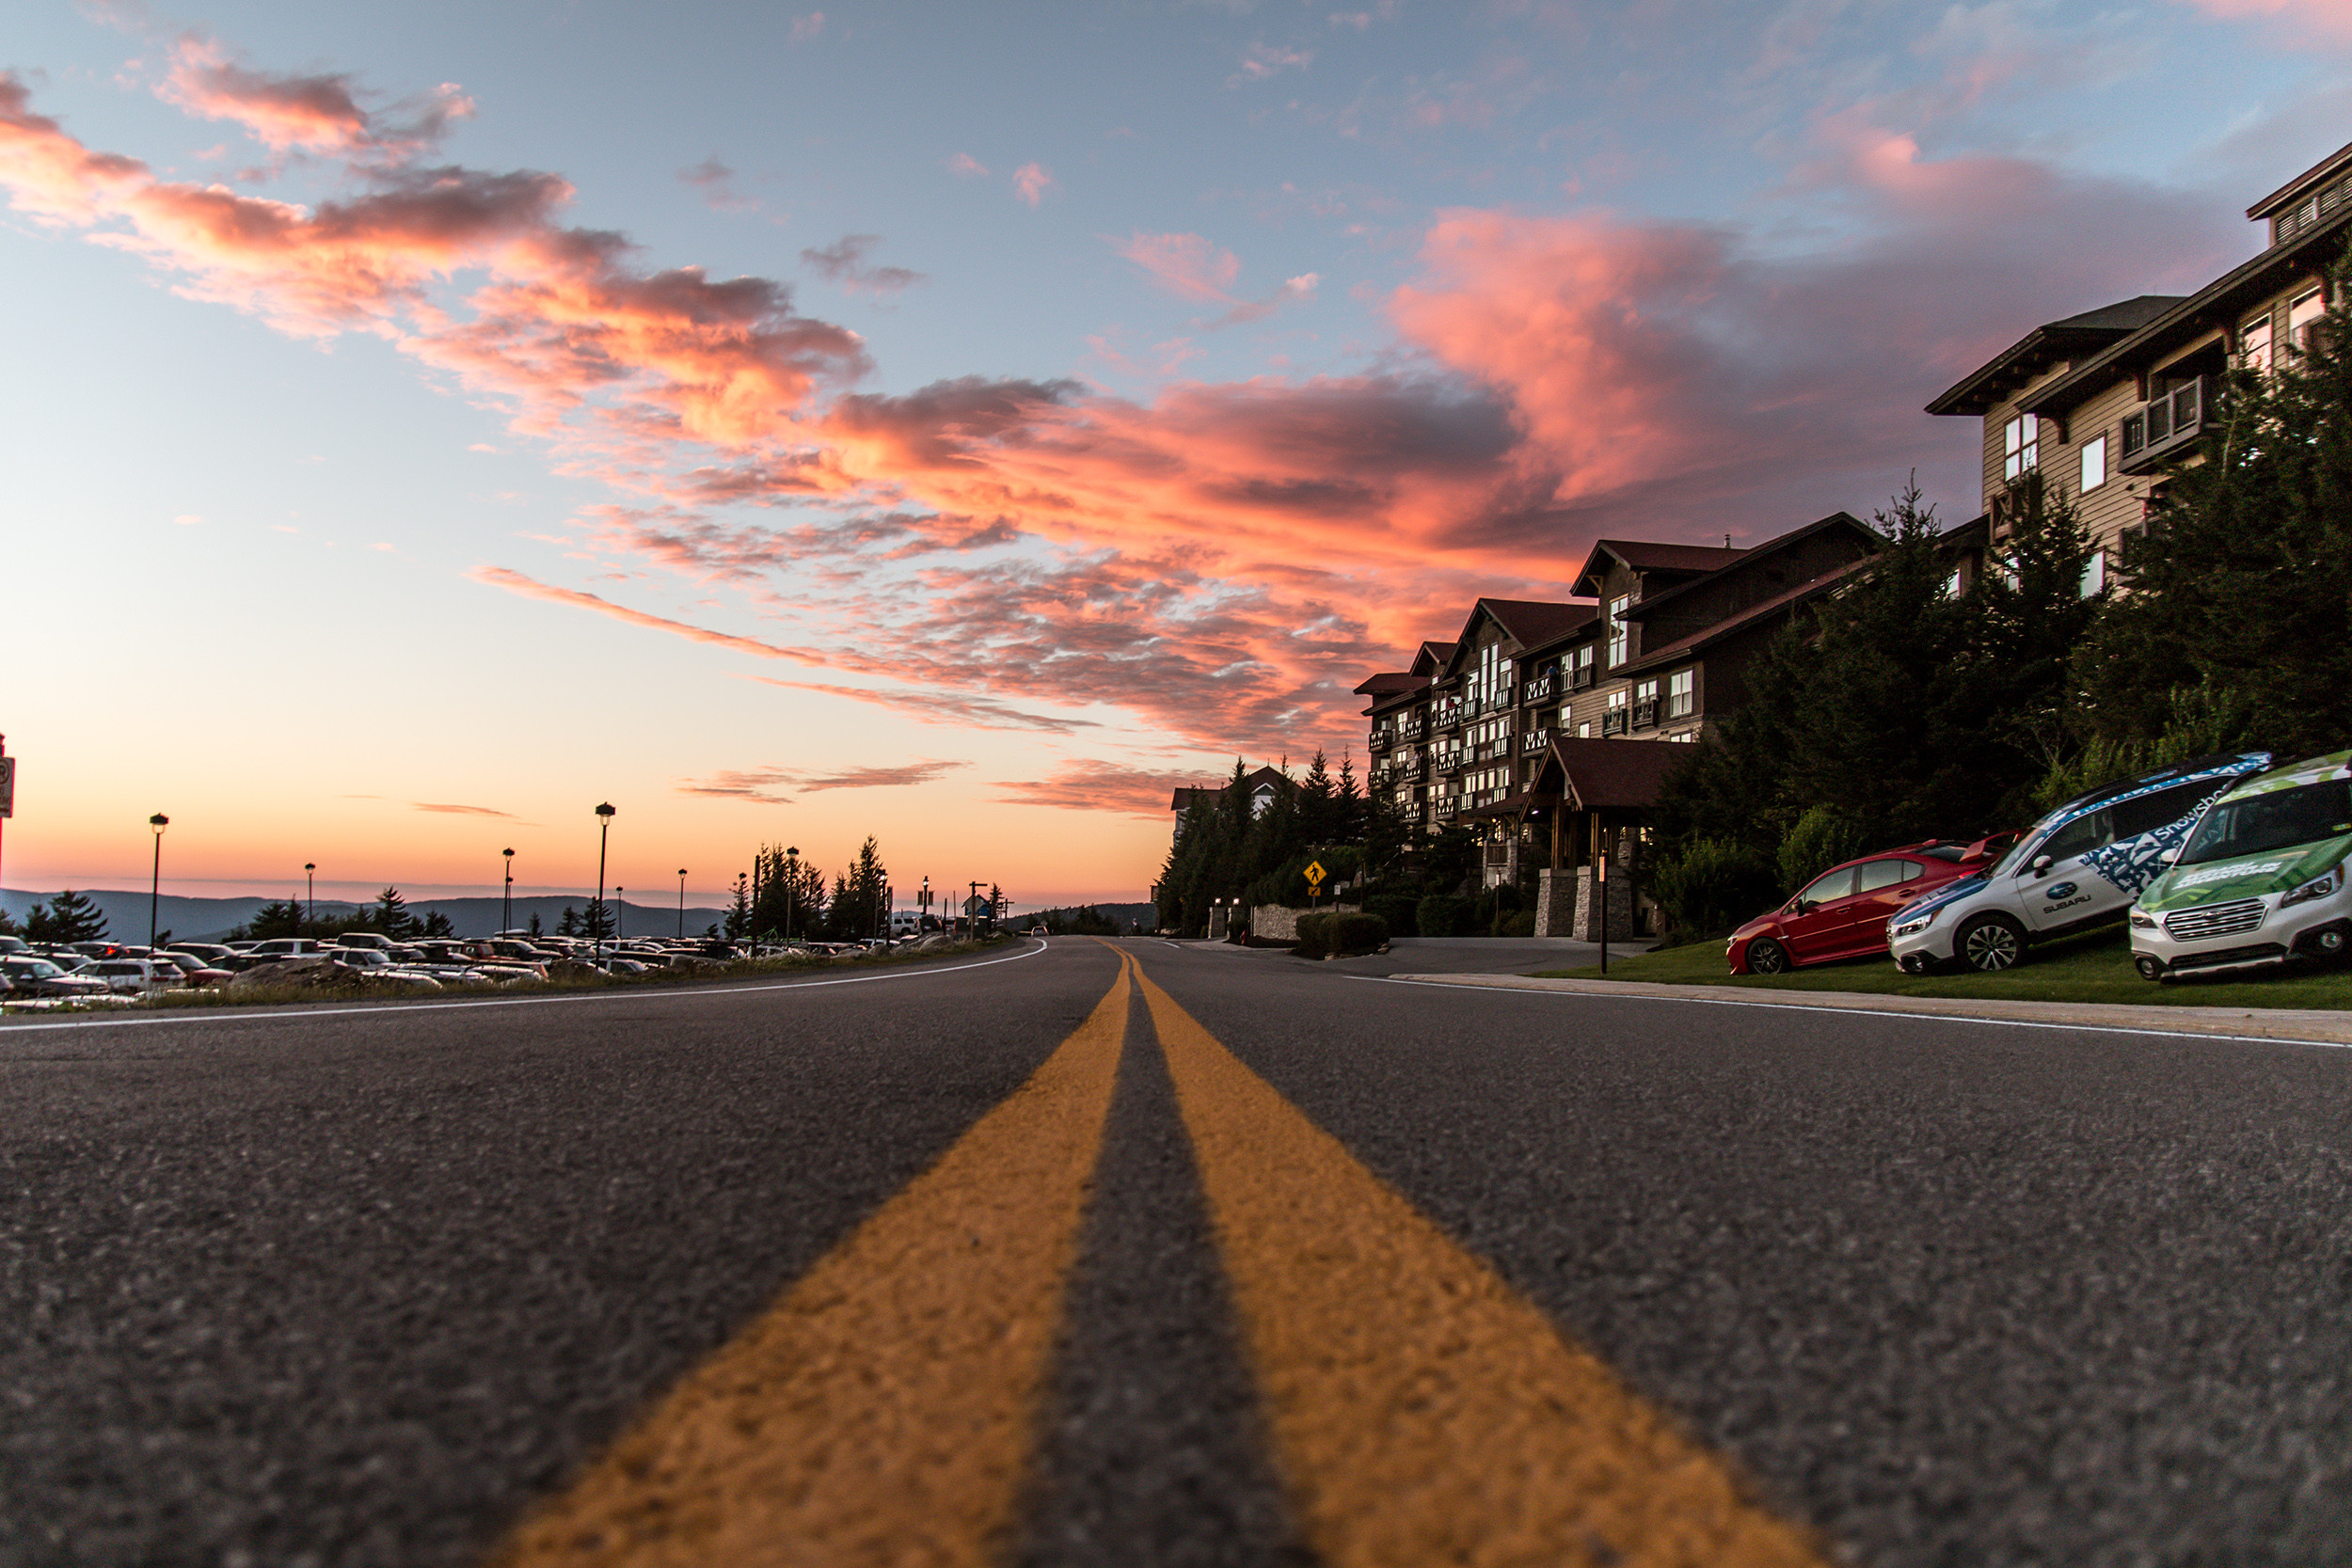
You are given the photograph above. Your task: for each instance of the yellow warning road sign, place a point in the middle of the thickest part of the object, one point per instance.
(1314, 874)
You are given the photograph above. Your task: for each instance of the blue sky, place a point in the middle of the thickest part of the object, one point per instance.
(1065, 402)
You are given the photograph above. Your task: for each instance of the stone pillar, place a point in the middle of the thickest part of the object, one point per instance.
(1555, 903)
(1219, 915)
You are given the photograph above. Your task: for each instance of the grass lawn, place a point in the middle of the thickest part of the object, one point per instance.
(2095, 967)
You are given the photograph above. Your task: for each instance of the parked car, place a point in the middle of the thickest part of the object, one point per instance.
(14, 946)
(33, 976)
(2262, 881)
(1842, 913)
(136, 977)
(2078, 868)
(210, 952)
(194, 971)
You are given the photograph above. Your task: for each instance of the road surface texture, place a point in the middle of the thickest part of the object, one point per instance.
(1134, 1253)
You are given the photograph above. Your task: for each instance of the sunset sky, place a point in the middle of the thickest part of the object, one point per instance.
(961, 423)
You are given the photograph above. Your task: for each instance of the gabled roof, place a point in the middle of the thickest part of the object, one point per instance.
(1642, 555)
(1761, 611)
(2311, 250)
(1609, 775)
(1835, 522)
(1432, 658)
(2034, 353)
(2303, 184)
(1536, 622)
(1389, 684)
(1256, 780)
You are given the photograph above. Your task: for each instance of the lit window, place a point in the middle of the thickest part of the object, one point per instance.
(2302, 317)
(2020, 445)
(2094, 462)
(1620, 632)
(1682, 693)
(2094, 573)
(2254, 345)
(1585, 730)
(1951, 584)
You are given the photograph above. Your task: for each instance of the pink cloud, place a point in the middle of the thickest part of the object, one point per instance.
(310, 114)
(766, 784)
(845, 262)
(1031, 182)
(807, 27)
(1098, 785)
(964, 164)
(1186, 265)
(2332, 17)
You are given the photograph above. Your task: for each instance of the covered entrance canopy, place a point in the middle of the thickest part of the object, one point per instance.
(1611, 782)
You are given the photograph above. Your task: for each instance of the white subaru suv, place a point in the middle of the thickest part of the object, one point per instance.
(2079, 866)
(2260, 881)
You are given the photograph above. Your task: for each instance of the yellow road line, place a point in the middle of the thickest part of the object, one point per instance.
(883, 1410)
(1423, 1412)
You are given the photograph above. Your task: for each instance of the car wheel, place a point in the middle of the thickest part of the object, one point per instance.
(1767, 957)
(1990, 943)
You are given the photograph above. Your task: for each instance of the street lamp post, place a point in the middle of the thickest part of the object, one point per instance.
(791, 885)
(604, 827)
(506, 918)
(620, 902)
(310, 895)
(155, 889)
(682, 903)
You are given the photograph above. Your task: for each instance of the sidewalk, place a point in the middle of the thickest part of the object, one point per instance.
(2324, 1027)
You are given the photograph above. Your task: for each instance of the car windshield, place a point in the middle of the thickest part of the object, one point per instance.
(2276, 819)
(38, 969)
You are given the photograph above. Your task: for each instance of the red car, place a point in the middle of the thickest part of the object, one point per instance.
(1842, 914)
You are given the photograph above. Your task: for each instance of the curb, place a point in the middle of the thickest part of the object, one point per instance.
(2312, 1025)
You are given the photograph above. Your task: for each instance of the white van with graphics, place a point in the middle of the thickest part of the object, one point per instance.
(2079, 867)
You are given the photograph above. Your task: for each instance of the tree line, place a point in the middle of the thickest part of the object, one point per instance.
(784, 897)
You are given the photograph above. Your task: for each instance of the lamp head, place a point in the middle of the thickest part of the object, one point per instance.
(508, 854)
(605, 811)
(159, 822)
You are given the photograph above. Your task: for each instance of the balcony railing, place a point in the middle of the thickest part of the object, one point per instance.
(1583, 676)
(1614, 721)
(1500, 699)
(1536, 740)
(1645, 714)
(2167, 424)
(1382, 739)
(1539, 689)
(1446, 715)
(1412, 728)
(1452, 759)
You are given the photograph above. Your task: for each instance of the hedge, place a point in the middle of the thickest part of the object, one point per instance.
(1396, 910)
(1444, 915)
(1336, 935)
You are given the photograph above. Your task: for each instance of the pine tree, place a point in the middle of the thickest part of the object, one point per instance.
(597, 921)
(1314, 802)
(739, 910)
(390, 915)
(438, 925)
(68, 917)
(7, 924)
(569, 924)
(535, 929)
(1348, 803)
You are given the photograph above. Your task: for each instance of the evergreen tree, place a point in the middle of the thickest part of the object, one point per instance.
(68, 917)
(1315, 801)
(595, 922)
(7, 924)
(2240, 586)
(739, 910)
(390, 915)
(1348, 803)
(535, 928)
(438, 925)
(568, 926)
(272, 921)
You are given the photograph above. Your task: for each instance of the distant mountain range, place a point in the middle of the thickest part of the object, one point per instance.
(211, 919)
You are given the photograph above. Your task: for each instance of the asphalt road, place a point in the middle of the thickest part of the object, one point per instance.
(1241, 1261)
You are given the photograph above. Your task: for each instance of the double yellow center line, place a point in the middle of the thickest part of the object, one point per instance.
(884, 1410)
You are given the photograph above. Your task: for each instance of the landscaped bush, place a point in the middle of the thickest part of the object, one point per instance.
(1336, 935)
(1445, 915)
(1314, 933)
(1711, 886)
(1519, 925)
(1816, 841)
(1395, 911)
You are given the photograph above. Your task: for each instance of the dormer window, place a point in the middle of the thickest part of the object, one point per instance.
(2020, 445)
(1620, 632)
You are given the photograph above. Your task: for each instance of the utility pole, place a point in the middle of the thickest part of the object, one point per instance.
(604, 826)
(155, 889)
(681, 902)
(506, 919)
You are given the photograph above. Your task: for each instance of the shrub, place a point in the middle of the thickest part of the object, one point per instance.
(1519, 925)
(1443, 915)
(1395, 911)
(1355, 933)
(1816, 841)
(1314, 934)
(1710, 886)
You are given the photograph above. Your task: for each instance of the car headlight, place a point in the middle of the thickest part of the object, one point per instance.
(1914, 925)
(2142, 920)
(2318, 887)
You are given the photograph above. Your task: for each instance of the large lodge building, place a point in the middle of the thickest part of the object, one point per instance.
(1548, 727)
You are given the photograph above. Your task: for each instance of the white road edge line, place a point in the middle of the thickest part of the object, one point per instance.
(204, 1015)
(1871, 1012)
